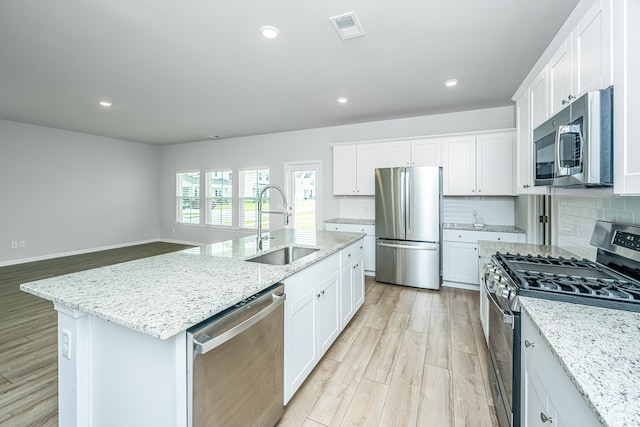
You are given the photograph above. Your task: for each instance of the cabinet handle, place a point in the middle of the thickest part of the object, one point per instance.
(545, 419)
(528, 344)
(525, 186)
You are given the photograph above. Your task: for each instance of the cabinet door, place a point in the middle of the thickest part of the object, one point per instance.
(494, 171)
(560, 77)
(358, 282)
(346, 295)
(369, 259)
(540, 99)
(300, 328)
(460, 262)
(395, 154)
(591, 49)
(534, 402)
(459, 167)
(368, 159)
(344, 170)
(425, 152)
(328, 322)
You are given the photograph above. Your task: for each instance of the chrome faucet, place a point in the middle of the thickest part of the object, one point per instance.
(260, 211)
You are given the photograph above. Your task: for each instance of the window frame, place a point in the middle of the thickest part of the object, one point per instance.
(209, 198)
(180, 197)
(260, 172)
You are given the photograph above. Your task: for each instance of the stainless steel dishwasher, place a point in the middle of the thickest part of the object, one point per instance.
(236, 375)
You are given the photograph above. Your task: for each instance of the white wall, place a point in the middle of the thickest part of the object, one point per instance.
(273, 150)
(67, 192)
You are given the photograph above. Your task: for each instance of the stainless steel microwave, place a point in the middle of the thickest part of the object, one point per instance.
(575, 146)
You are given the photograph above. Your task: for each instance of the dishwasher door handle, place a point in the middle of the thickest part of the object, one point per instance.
(213, 342)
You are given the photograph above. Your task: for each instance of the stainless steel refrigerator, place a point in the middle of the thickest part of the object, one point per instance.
(408, 226)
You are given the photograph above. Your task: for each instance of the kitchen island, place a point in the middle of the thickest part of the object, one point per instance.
(122, 328)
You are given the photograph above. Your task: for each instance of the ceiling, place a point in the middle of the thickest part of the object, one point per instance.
(178, 71)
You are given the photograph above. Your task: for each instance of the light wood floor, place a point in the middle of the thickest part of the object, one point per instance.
(408, 358)
(28, 338)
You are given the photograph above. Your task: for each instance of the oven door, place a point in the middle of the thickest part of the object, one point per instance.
(504, 361)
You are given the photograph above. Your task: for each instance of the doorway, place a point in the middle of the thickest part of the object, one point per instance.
(303, 188)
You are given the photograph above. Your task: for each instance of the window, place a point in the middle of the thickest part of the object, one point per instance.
(219, 198)
(251, 182)
(188, 197)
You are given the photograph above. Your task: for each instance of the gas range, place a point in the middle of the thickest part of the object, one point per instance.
(613, 280)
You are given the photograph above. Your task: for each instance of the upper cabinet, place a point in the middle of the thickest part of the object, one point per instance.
(479, 165)
(582, 63)
(524, 147)
(354, 168)
(415, 152)
(626, 126)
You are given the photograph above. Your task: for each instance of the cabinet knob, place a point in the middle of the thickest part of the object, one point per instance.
(459, 236)
(317, 295)
(322, 292)
(499, 238)
(479, 190)
(571, 97)
(528, 344)
(525, 186)
(473, 191)
(545, 419)
(565, 102)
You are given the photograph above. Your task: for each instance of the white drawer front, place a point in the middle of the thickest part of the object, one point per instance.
(351, 228)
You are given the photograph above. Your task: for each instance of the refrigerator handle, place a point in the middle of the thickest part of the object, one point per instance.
(403, 198)
(407, 195)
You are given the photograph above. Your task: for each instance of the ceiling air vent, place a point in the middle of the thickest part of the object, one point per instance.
(347, 25)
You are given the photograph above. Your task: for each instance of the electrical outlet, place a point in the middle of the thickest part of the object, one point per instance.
(14, 245)
(66, 344)
(22, 243)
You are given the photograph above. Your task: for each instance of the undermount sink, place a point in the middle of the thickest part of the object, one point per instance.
(283, 256)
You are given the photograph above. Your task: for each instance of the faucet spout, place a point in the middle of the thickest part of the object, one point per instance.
(260, 211)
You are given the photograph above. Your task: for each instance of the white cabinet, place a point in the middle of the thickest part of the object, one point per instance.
(415, 152)
(351, 283)
(548, 397)
(476, 165)
(626, 14)
(539, 98)
(369, 256)
(354, 168)
(313, 311)
(460, 264)
(583, 62)
(524, 146)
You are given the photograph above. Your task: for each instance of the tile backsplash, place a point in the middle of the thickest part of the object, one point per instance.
(492, 210)
(576, 217)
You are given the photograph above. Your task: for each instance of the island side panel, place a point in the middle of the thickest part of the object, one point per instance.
(122, 377)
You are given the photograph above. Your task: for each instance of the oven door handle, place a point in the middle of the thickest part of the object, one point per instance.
(507, 314)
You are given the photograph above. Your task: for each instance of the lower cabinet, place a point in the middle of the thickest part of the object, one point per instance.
(549, 398)
(460, 259)
(369, 256)
(321, 300)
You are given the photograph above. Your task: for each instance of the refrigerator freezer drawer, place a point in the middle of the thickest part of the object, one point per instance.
(408, 263)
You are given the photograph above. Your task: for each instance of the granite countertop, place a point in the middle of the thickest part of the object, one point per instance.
(485, 227)
(351, 221)
(598, 349)
(488, 248)
(166, 294)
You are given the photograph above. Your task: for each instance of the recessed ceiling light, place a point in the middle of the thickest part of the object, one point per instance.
(451, 82)
(343, 99)
(106, 103)
(214, 136)
(269, 32)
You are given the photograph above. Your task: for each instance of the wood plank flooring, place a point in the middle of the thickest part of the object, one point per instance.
(408, 358)
(28, 333)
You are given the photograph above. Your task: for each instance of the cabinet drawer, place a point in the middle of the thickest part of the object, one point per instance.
(351, 252)
(351, 228)
(473, 236)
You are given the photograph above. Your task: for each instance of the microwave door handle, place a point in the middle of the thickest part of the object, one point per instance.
(556, 172)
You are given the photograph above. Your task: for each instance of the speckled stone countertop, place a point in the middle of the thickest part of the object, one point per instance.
(486, 227)
(352, 221)
(599, 350)
(166, 294)
(487, 249)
